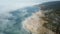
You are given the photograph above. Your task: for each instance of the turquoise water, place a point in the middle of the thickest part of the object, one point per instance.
(11, 22)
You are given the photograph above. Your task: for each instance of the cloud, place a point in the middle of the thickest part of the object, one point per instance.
(6, 5)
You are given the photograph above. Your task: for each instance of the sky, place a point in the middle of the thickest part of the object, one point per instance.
(7, 5)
